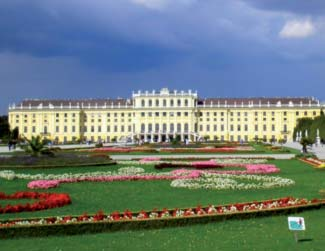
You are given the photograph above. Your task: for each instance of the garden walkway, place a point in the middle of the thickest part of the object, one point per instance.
(319, 151)
(275, 156)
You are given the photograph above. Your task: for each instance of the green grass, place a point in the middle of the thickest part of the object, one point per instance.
(255, 234)
(269, 234)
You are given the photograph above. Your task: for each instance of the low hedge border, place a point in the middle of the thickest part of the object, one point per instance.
(2, 167)
(151, 223)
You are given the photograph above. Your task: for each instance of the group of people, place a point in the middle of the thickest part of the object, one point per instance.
(12, 145)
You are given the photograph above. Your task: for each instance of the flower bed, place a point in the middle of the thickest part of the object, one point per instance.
(45, 184)
(314, 162)
(208, 180)
(128, 220)
(122, 150)
(231, 149)
(45, 201)
(211, 164)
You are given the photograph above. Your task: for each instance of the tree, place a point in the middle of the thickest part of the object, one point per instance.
(311, 125)
(36, 146)
(4, 128)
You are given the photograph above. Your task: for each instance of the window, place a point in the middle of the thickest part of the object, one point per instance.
(238, 128)
(222, 128)
(115, 128)
(264, 128)
(157, 102)
(222, 113)
(273, 128)
(92, 129)
(214, 128)
(186, 102)
(256, 128)
(214, 114)
(57, 115)
(178, 102)
(256, 113)
(245, 114)
(122, 128)
(45, 129)
(185, 114)
(65, 129)
(33, 129)
(150, 114)
(108, 128)
(186, 127)
(164, 127)
(285, 128)
(164, 114)
(285, 113)
(246, 128)
(201, 128)
(231, 128)
(208, 128)
(143, 128)
(57, 129)
(25, 129)
(171, 127)
(157, 114)
(143, 103)
(264, 113)
(171, 102)
(178, 114)
(164, 103)
(179, 127)
(99, 129)
(142, 114)
(171, 114)
(130, 128)
(73, 129)
(238, 114)
(65, 115)
(108, 114)
(156, 127)
(305, 113)
(150, 102)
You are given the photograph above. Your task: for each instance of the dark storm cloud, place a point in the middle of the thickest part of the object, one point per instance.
(107, 48)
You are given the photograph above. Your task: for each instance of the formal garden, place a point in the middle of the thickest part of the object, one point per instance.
(87, 200)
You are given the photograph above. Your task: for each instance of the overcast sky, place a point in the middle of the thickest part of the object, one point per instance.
(108, 48)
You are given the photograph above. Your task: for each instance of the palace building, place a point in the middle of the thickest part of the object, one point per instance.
(162, 116)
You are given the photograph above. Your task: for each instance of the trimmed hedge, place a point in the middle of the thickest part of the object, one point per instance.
(58, 166)
(155, 223)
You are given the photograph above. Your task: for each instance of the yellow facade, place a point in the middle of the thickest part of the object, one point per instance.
(161, 116)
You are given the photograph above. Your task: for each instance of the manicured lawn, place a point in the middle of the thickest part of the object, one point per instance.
(254, 234)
